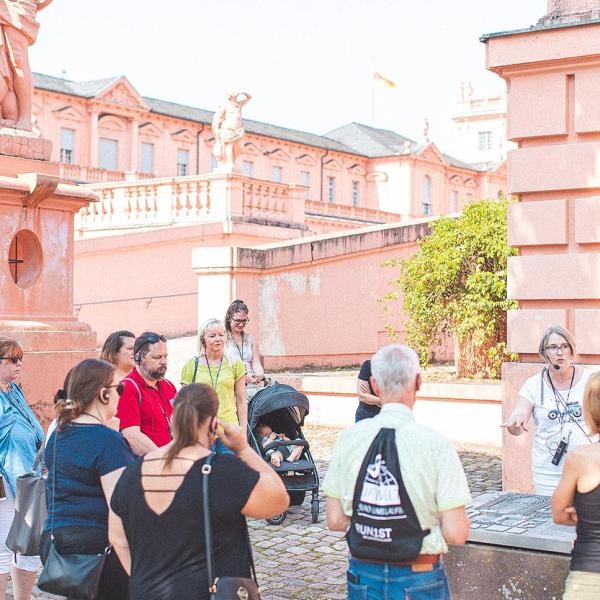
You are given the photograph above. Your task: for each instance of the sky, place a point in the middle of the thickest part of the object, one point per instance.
(307, 63)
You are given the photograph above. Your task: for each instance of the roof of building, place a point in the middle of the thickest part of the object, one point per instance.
(373, 142)
(354, 138)
(90, 89)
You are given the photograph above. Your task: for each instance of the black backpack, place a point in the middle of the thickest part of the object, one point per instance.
(384, 526)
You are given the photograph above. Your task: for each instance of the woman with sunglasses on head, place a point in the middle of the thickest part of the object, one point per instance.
(554, 398)
(118, 351)
(21, 435)
(224, 373)
(85, 458)
(242, 345)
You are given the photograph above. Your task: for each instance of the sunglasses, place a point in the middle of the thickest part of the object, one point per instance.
(240, 321)
(120, 387)
(153, 338)
(13, 359)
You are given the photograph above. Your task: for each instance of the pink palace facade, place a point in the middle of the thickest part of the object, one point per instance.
(149, 161)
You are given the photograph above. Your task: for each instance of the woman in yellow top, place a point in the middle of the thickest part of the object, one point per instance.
(226, 375)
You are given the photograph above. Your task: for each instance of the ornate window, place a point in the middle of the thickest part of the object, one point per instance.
(426, 206)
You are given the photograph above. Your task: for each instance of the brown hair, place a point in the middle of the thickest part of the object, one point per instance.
(84, 382)
(10, 348)
(194, 404)
(235, 306)
(591, 403)
(113, 344)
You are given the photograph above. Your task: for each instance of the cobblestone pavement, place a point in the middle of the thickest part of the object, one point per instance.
(301, 561)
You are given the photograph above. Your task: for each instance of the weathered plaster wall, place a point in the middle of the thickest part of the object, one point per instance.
(313, 301)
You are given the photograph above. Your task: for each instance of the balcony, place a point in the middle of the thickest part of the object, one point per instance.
(81, 174)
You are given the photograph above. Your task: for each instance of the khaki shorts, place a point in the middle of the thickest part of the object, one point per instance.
(582, 585)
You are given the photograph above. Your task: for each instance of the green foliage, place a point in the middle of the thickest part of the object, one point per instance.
(456, 284)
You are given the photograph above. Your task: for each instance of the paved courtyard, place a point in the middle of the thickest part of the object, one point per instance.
(301, 561)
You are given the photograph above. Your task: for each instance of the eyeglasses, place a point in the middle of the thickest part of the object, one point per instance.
(120, 387)
(241, 321)
(554, 348)
(13, 359)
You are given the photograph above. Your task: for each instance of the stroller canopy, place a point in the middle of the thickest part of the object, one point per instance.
(275, 397)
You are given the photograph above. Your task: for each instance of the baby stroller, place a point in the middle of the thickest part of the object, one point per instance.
(283, 409)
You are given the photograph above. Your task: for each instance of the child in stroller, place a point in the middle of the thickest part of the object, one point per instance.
(290, 452)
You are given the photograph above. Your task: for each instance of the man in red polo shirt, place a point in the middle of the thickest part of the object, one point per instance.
(146, 405)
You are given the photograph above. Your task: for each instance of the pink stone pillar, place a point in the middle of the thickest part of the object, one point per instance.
(553, 77)
(134, 146)
(93, 139)
(36, 276)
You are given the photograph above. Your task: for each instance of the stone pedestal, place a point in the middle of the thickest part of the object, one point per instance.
(482, 572)
(24, 144)
(553, 74)
(36, 276)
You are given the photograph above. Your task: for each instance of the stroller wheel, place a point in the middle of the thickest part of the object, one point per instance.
(277, 519)
(314, 510)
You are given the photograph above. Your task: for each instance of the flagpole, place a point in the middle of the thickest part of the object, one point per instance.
(372, 79)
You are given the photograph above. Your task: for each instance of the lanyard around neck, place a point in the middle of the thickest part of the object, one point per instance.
(214, 382)
(240, 350)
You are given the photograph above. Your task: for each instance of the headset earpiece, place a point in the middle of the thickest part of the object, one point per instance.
(105, 395)
(137, 358)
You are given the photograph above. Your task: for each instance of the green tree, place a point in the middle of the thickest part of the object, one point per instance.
(456, 285)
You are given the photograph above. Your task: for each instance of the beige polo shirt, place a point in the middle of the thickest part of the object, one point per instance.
(431, 470)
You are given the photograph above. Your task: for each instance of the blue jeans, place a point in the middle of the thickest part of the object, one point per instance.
(369, 581)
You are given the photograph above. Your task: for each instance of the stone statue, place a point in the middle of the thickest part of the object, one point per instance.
(570, 11)
(228, 130)
(18, 31)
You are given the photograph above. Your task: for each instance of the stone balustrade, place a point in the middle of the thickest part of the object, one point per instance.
(345, 211)
(81, 173)
(211, 197)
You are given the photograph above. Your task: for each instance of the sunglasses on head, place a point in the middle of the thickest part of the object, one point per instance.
(13, 359)
(153, 338)
(120, 387)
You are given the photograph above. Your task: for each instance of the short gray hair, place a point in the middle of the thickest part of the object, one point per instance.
(395, 368)
(564, 333)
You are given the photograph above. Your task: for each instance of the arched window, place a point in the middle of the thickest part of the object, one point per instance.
(426, 195)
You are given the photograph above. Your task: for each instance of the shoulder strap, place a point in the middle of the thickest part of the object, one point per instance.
(137, 387)
(196, 361)
(210, 559)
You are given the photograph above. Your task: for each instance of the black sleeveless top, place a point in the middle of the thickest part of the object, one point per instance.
(168, 557)
(586, 552)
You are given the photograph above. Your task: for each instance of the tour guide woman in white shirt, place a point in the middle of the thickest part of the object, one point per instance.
(554, 397)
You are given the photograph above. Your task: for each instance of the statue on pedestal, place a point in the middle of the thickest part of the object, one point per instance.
(18, 31)
(570, 11)
(228, 130)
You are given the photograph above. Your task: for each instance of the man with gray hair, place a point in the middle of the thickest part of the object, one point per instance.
(398, 520)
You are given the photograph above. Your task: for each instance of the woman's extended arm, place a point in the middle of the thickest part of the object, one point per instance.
(259, 372)
(563, 499)
(269, 497)
(515, 424)
(118, 539)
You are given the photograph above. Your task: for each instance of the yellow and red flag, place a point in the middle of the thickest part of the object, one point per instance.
(377, 76)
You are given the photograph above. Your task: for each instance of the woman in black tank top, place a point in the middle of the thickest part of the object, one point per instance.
(156, 523)
(576, 501)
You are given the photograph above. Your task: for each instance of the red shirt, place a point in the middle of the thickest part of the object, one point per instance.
(149, 408)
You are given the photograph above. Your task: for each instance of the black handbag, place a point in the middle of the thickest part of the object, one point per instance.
(25, 532)
(74, 575)
(225, 588)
